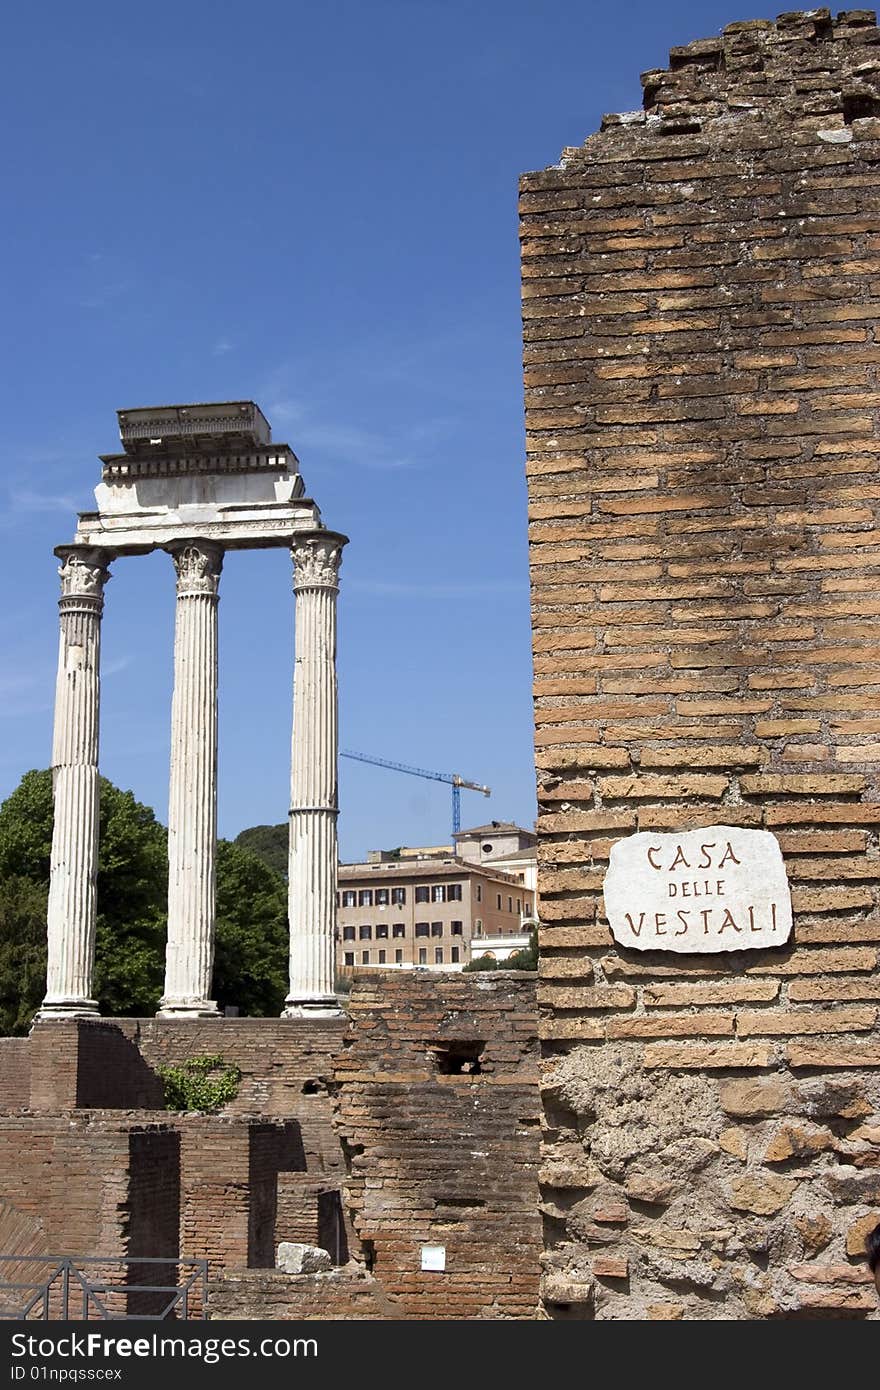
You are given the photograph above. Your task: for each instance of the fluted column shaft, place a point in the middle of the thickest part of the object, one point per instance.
(192, 796)
(73, 872)
(314, 779)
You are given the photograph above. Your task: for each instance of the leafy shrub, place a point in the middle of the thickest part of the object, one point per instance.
(203, 1084)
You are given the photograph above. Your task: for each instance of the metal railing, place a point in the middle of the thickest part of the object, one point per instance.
(102, 1287)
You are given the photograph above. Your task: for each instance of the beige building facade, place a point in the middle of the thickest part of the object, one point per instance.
(430, 908)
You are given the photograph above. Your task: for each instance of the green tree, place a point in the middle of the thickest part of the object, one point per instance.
(267, 842)
(132, 891)
(22, 952)
(251, 954)
(251, 958)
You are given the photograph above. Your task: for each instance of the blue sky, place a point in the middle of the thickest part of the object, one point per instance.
(312, 205)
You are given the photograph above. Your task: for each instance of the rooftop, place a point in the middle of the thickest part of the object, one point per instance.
(425, 869)
(495, 827)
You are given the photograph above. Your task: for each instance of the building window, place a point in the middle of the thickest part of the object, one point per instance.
(423, 955)
(478, 927)
(438, 955)
(398, 896)
(338, 899)
(438, 893)
(398, 929)
(453, 893)
(510, 904)
(382, 931)
(365, 957)
(423, 929)
(349, 898)
(423, 893)
(479, 892)
(381, 897)
(454, 954)
(381, 957)
(436, 928)
(349, 957)
(487, 848)
(398, 957)
(456, 928)
(518, 905)
(528, 904)
(365, 933)
(499, 902)
(365, 897)
(348, 933)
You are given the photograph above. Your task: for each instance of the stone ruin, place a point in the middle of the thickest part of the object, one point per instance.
(195, 481)
(703, 420)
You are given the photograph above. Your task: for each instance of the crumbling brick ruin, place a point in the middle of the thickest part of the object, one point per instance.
(701, 358)
(416, 1123)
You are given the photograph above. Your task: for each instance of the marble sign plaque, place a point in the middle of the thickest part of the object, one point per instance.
(720, 888)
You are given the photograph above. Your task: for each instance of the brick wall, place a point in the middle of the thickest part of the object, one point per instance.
(15, 1073)
(340, 1295)
(86, 1180)
(416, 1122)
(701, 359)
(439, 1154)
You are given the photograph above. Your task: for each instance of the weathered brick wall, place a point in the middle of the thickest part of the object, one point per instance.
(339, 1295)
(15, 1073)
(416, 1122)
(441, 1155)
(701, 364)
(86, 1180)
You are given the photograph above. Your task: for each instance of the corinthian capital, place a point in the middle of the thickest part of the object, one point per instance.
(84, 571)
(198, 565)
(316, 560)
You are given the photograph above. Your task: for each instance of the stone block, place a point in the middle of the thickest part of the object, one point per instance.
(293, 1257)
(763, 1194)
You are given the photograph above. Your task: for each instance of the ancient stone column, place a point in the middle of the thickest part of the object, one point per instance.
(313, 779)
(74, 862)
(192, 796)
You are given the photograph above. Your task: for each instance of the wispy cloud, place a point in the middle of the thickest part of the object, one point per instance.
(348, 443)
(25, 500)
(222, 346)
(103, 295)
(18, 697)
(13, 685)
(477, 589)
(118, 663)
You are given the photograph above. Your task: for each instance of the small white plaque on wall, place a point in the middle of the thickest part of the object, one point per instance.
(434, 1257)
(720, 888)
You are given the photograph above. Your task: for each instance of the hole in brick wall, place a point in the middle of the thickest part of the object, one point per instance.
(704, 58)
(858, 105)
(332, 1235)
(369, 1256)
(680, 125)
(464, 1202)
(457, 1058)
(314, 1088)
